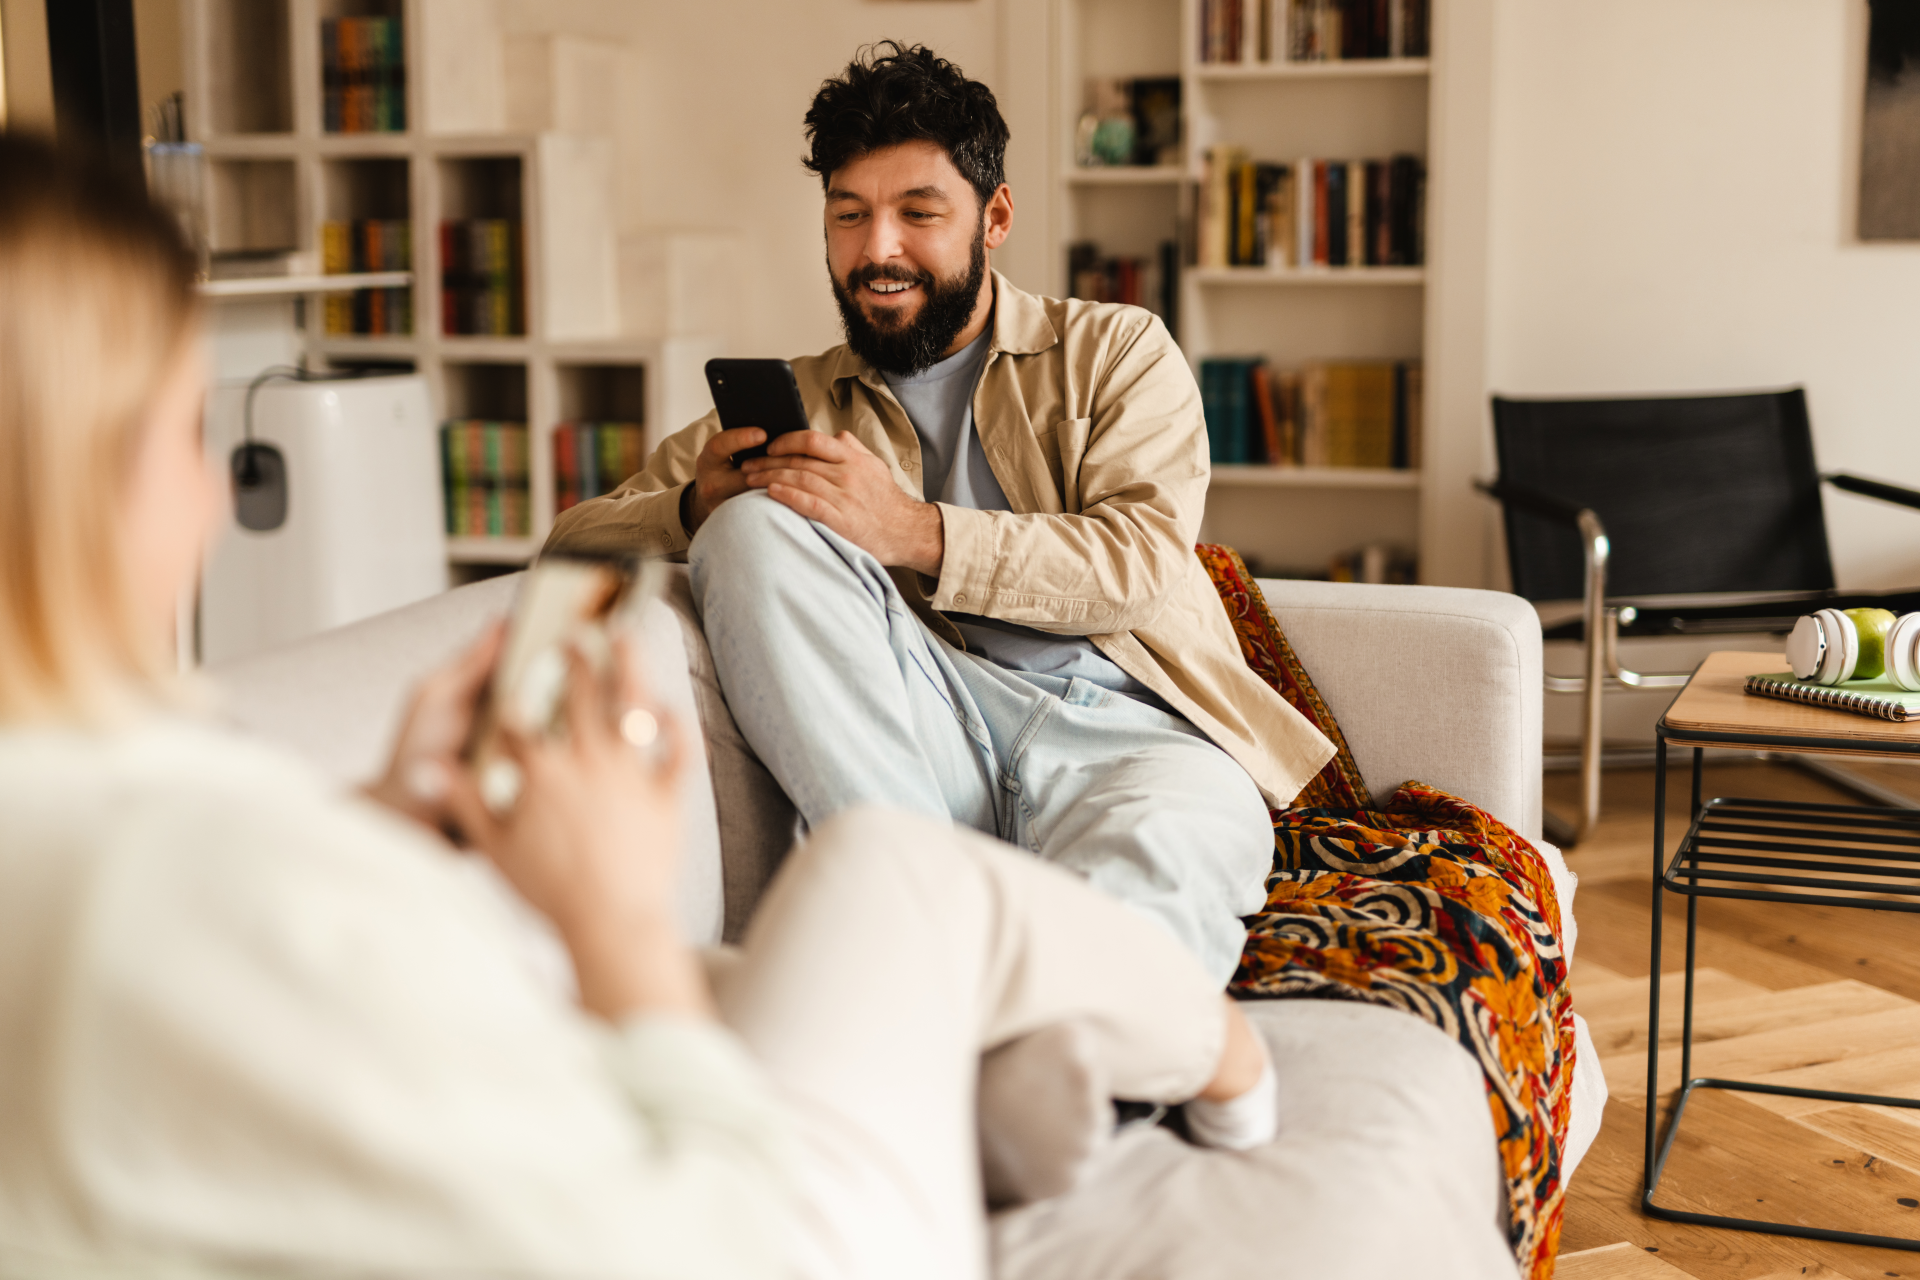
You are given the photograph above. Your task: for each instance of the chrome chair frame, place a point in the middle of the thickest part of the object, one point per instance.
(1601, 619)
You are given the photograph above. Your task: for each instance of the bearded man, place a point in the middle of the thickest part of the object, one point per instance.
(970, 590)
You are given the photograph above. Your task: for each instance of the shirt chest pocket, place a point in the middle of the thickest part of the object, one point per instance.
(1065, 447)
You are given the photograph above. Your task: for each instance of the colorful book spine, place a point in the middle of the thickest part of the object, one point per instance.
(1329, 414)
(363, 75)
(594, 458)
(1136, 282)
(368, 245)
(482, 283)
(484, 470)
(1311, 212)
(1324, 31)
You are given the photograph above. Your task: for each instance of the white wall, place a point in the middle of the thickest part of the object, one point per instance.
(1672, 210)
(710, 135)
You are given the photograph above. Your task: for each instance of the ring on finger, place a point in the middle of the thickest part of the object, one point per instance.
(639, 726)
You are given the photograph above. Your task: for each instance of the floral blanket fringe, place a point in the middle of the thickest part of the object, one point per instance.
(1427, 905)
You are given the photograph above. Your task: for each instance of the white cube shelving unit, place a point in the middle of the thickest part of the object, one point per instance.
(254, 101)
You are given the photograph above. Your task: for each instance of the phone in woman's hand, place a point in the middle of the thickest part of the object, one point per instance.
(566, 601)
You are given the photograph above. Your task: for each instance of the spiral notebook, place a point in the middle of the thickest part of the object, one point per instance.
(1882, 697)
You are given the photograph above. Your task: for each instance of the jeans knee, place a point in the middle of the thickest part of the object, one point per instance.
(743, 541)
(746, 522)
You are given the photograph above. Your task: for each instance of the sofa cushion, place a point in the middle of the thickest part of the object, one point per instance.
(1382, 1168)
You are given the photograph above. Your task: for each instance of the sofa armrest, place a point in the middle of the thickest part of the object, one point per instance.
(1432, 684)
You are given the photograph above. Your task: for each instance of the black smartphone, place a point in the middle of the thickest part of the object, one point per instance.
(756, 393)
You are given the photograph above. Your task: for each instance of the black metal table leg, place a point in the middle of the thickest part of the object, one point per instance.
(1700, 868)
(1693, 920)
(1650, 1171)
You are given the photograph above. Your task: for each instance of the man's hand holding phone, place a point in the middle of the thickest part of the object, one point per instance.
(715, 477)
(838, 481)
(835, 480)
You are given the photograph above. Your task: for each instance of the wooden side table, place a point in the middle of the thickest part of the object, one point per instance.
(1769, 851)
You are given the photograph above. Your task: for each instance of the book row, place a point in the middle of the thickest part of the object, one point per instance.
(363, 76)
(370, 244)
(484, 468)
(1326, 414)
(592, 458)
(1313, 30)
(1324, 213)
(1139, 282)
(482, 283)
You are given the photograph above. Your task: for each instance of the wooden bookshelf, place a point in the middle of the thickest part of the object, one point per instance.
(254, 101)
(1280, 110)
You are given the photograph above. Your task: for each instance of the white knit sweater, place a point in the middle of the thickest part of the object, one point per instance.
(248, 1024)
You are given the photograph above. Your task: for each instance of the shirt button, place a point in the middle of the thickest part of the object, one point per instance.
(906, 466)
(960, 599)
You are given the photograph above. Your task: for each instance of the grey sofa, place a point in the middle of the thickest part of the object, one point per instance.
(1385, 1164)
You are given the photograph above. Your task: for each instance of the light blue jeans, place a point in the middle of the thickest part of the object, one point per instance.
(849, 699)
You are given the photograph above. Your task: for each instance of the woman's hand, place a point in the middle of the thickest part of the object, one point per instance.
(434, 731)
(592, 843)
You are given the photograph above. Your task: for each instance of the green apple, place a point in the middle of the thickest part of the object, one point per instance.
(1872, 626)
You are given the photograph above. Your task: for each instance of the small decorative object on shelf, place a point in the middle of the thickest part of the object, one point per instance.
(482, 281)
(484, 466)
(1130, 122)
(368, 244)
(1312, 213)
(1347, 414)
(363, 75)
(592, 458)
(1249, 31)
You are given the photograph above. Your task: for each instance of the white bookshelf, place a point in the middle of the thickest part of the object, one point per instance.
(254, 100)
(1298, 518)
(1243, 475)
(1331, 277)
(1127, 176)
(1354, 69)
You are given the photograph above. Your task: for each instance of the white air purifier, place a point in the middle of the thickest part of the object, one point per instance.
(337, 511)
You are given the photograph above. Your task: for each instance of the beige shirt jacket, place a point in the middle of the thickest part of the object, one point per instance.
(1091, 421)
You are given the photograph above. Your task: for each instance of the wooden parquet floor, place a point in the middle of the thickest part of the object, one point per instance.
(1819, 997)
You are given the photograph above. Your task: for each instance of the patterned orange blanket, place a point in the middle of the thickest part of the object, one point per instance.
(1427, 905)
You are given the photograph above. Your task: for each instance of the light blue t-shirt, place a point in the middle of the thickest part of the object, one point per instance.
(954, 470)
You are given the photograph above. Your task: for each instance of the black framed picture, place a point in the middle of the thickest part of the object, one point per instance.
(1890, 126)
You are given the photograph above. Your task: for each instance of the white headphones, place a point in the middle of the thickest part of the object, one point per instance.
(1826, 648)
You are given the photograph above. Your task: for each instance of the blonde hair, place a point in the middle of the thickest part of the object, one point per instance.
(96, 298)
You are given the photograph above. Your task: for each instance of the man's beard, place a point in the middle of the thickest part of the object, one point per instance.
(905, 349)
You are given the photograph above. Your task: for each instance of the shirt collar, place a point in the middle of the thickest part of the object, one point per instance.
(1020, 328)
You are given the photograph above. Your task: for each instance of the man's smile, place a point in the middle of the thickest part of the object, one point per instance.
(890, 293)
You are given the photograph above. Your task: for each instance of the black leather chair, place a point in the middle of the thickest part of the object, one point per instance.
(1673, 516)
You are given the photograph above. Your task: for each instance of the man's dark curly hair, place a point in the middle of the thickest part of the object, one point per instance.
(893, 93)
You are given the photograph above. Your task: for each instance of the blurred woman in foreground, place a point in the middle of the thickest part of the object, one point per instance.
(250, 1024)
